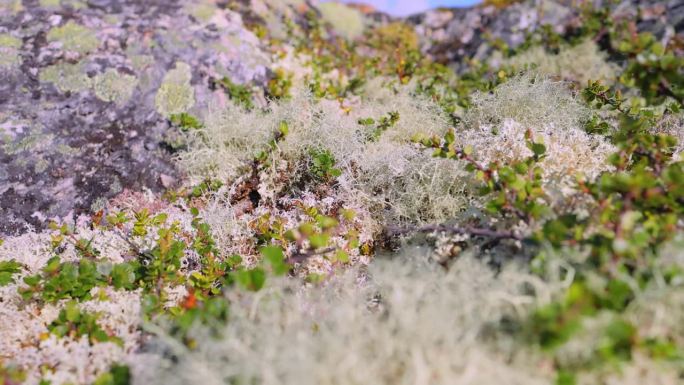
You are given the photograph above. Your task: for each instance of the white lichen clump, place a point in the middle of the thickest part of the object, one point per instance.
(579, 63)
(407, 322)
(25, 339)
(497, 123)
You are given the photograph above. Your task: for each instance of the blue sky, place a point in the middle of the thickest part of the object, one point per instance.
(407, 7)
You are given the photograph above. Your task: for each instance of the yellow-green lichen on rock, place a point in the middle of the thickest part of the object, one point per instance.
(112, 86)
(74, 37)
(49, 3)
(202, 12)
(76, 4)
(347, 22)
(11, 6)
(9, 51)
(9, 41)
(141, 62)
(176, 95)
(66, 77)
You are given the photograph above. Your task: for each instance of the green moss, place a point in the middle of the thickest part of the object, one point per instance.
(74, 37)
(347, 21)
(112, 86)
(66, 77)
(176, 94)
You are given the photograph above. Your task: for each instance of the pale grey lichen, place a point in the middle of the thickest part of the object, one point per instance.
(66, 77)
(176, 94)
(74, 37)
(408, 322)
(112, 86)
(580, 63)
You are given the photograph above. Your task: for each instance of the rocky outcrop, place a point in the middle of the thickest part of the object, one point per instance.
(449, 35)
(86, 89)
(87, 86)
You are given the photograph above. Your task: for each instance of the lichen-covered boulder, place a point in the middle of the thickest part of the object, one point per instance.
(86, 90)
(450, 35)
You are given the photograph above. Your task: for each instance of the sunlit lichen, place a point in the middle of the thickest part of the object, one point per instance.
(346, 21)
(49, 3)
(112, 86)
(66, 77)
(11, 6)
(9, 51)
(74, 37)
(580, 63)
(202, 12)
(141, 62)
(176, 94)
(9, 41)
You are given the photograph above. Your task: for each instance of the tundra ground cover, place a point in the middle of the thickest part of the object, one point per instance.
(382, 219)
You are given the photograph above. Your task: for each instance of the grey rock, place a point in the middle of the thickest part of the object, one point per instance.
(451, 35)
(79, 120)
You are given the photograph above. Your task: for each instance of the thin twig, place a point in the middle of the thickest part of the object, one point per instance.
(134, 246)
(304, 255)
(479, 232)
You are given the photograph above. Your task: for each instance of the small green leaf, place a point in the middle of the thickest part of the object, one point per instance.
(275, 257)
(7, 270)
(123, 276)
(538, 149)
(72, 312)
(450, 136)
(319, 240)
(252, 279)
